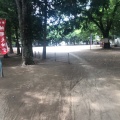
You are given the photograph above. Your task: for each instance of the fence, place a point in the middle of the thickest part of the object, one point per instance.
(57, 56)
(62, 57)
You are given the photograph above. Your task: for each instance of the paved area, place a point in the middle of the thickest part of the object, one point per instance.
(86, 89)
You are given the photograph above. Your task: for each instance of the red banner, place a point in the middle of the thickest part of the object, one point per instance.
(3, 42)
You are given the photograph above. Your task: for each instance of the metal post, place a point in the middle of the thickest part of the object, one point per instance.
(90, 41)
(68, 58)
(38, 54)
(35, 54)
(1, 70)
(55, 56)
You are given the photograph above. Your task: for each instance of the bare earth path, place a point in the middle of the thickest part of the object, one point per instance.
(86, 89)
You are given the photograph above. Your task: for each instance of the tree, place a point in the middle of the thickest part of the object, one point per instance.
(116, 24)
(102, 13)
(45, 29)
(24, 16)
(45, 9)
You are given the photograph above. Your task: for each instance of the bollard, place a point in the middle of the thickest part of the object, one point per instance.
(35, 54)
(1, 70)
(39, 55)
(68, 58)
(55, 56)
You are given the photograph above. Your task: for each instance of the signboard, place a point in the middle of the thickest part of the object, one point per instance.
(3, 42)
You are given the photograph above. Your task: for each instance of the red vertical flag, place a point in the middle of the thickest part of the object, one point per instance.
(3, 42)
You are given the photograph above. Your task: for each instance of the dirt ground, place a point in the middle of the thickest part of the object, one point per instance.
(86, 89)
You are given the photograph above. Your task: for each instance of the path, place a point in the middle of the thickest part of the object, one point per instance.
(86, 89)
(99, 91)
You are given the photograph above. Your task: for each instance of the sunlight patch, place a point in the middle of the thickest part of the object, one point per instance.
(13, 67)
(88, 66)
(117, 92)
(95, 106)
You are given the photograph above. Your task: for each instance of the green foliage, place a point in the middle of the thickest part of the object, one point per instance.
(103, 14)
(98, 17)
(8, 12)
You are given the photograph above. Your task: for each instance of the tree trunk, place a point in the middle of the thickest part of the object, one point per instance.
(10, 40)
(45, 31)
(17, 41)
(27, 54)
(10, 45)
(106, 39)
(6, 56)
(24, 14)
